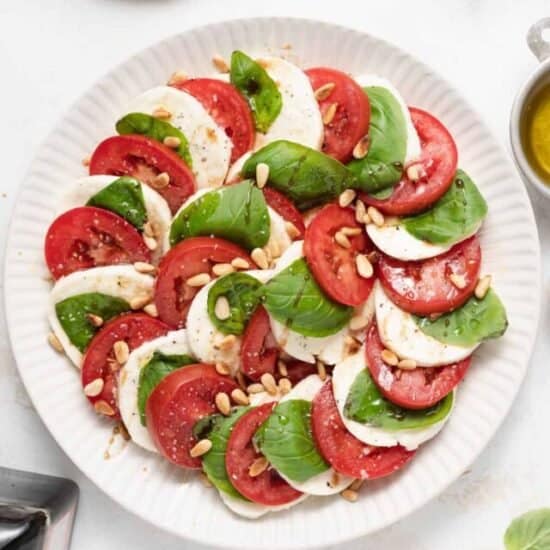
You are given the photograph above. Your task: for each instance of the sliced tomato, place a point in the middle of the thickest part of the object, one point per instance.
(227, 107)
(351, 119)
(439, 159)
(268, 488)
(189, 257)
(144, 158)
(333, 266)
(417, 388)
(285, 208)
(424, 287)
(298, 370)
(99, 360)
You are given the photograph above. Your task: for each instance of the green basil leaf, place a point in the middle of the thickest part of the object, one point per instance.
(153, 372)
(203, 426)
(383, 165)
(234, 212)
(261, 92)
(530, 531)
(241, 291)
(383, 194)
(147, 125)
(366, 404)
(285, 439)
(475, 321)
(307, 177)
(455, 215)
(123, 197)
(72, 314)
(294, 298)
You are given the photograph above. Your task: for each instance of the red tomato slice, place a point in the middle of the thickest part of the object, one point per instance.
(144, 159)
(269, 487)
(227, 107)
(285, 208)
(439, 158)
(298, 370)
(99, 360)
(343, 451)
(333, 265)
(424, 287)
(413, 389)
(87, 237)
(352, 117)
(189, 257)
(180, 400)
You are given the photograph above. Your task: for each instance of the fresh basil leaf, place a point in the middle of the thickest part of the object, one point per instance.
(366, 404)
(234, 212)
(454, 216)
(530, 531)
(153, 372)
(307, 177)
(147, 125)
(475, 321)
(241, 291)
(203, 426)
(383, 165)
(286, 440)
(383, 194)
(123, 197)
(73, 312)
(261, 92)
(294, 298)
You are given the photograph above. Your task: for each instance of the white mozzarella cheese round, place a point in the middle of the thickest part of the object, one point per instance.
(252, 510)
(234, 173)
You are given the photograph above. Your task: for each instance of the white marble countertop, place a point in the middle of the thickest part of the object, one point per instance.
(51, 51)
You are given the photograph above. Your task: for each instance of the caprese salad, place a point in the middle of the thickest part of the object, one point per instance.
(273, 275)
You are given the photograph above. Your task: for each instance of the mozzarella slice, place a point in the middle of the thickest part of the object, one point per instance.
(234, 173)
(343, 377)
(209, 146)
(120, 281)
(252, 510)
(400, 333)
(174, 343)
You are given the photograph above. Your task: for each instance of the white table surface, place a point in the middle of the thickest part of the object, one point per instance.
(52, 50)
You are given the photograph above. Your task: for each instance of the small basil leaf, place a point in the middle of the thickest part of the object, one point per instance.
(383, 165)
(147, 125)
(530, 531)
(366, 404)
(241, 292)
(234, 212)
(153, 372)
(294, 298)
(203, 426)
(307, 177)
(285, 439)
(383, 194)
(454, 216)
(123, 197)
(261, 92)
(475, 321)
(73, 315)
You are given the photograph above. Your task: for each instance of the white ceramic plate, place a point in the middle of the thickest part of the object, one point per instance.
(149, 486)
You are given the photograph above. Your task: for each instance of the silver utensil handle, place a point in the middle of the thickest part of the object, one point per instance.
(538, 45)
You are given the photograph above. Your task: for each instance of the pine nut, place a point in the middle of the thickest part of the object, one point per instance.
(364, 267)
(352, 345)
(201, 448)
(239, 397)
(222, 310)
(138, 302)
(291, 230)
(482, 287)
(198, 280)
(376, 216)
(361, 215)
(148, 229)
(86, 161)
(162, 113)
(356, 485)
(351, 231)
(150, 242)
(324, 91)
(262, 174)
(54, 342)
(240, 263)
(151, 310)
(255, 388)
(342, 240)
(281, 368)
(285, 385)
(222, 269)
(321, 370)
(239, 377)
(121, 351)
(457, 280)
(335, 479)
(347, 197)
(269, 383)
(330, 112)
(94, 320)
(227, 342)
(160, 181)
(390, 221)
(223, 369)
(222, 403)
(407, 364)
(415, 172)
(94, 388)
(349, 495)
(361, 147)
(258, 466)
(178, 78)
(144, 267)
(172, 141)
(220, 63)
(389, 357)
(102, 407)
(260, 257)
(358, 322)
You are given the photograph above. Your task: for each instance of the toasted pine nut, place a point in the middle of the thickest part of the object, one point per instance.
(255, 388)
(335, 479)
(356, 485)
(240, 263)
(222, 269)
(94, 320)
(148, 229)
(239, 397)
(281, 367)
(160, 181)
(260, 257)
(349, 495)
(121, 351)
(223, 369)
(347, 197)
(150, 242)
(482, 287)
(220, 63)
(54, 342)
(86, 161)
(291, 230)
(361, 147)
(151, 310)
(364, 267)
(407, 364)
(324, 91)
(102, 407)
(415, 172)
(342, 240)
(360, 211)
(262, 174)
(94, 388)
(352, 345)
(200, 279)
(144, 267)
(258, 466)
(457, 280)
(351, 231)
(239, 377)
(172, 141)
(389, 357)
(177, 78)
(138, 302)
(269, 383)
(285, 385)
(321, 370)
(328, 115)
(376, 216)
(222, 310)
(201, 448)
(222, 403)
(391, 221)
(358, 322)
(227, 342)
(162, 112)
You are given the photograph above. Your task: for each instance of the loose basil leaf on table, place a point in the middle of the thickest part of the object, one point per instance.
(149, 126)
(307, 177)
(159, 366)
(259, 89)
(530, 531)
(237, 213)
(455, 215)
(286, 440)
(366, 404)
(470, 324)
(294, 298)
(73, 312)
(241, 292)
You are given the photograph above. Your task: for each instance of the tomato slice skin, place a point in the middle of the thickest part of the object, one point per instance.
(227, 107)
(352, 117)
(87, 237)
(144, 158)
(343, 451)
(285, 208)
(99, 360)
(418, 388)
(423, 287)
(439, 158)
(268, 488)
(333, 266)
(189, 257)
